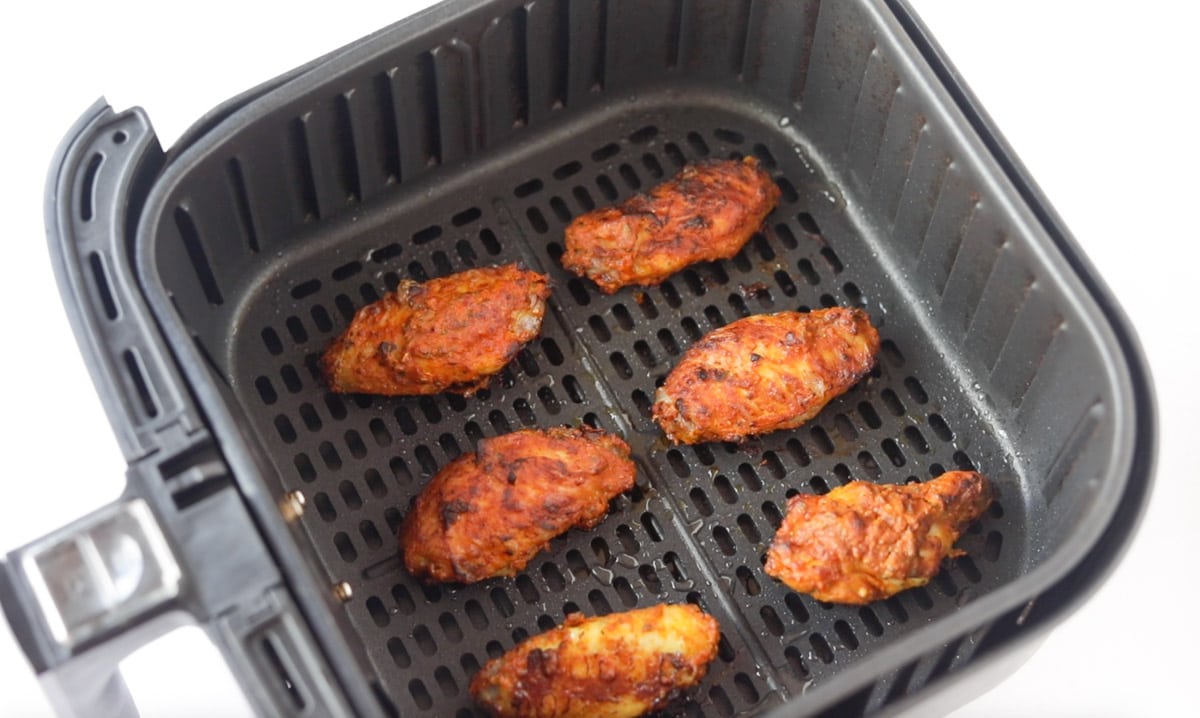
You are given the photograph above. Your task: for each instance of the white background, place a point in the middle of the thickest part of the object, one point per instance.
(1098, 99)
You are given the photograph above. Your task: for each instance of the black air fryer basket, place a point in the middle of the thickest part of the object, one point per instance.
(204, 283)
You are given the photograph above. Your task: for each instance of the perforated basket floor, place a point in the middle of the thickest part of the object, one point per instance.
(696, 526)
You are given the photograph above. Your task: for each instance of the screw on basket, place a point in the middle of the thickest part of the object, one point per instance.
(343, 591)
(292, 505)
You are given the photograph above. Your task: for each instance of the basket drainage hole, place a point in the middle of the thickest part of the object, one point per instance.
(849, 640)
(729, 136)
(609, 150)
(650, 578)
(749, 583)
(119, 137)
(466, 217)
(832, 260)
(305, 289)
(871, 621)
(324, 506)
(599, 603)
(675, 154)
(625, 592)
(446, 681)
(424, 640)
(796, 606)
(787, 190)
(527, 188)
(821, 648)
(771, 620)
(724, 540)
(378, 613)
(420, 696)
(969, 569)
(721, 701)
(796, 662)
(644, 135)
(772, 514)
(746, 688)
(991, 546)
(564, 171)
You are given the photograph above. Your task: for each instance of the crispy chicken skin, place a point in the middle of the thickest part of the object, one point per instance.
(622, 664)
(448, 334)
(488, 513)
(864, 542)
(707, 211)
(763, 373)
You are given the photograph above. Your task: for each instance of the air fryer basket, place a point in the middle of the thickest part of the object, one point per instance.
(470, 136)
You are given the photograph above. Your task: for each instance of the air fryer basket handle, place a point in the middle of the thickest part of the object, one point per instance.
(180, 546)
(82, 598)
(86, 596)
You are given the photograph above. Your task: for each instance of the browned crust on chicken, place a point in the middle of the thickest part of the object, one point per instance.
(763, 373)
(864, 542)
(706, 212)
(622, 664)
(488, 513)
(448, 334)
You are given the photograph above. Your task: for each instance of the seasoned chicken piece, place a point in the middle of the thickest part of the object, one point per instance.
(707, 211)
(766, 372)
(448, 334)
(622, 664)
(864, 542)
(488, 513)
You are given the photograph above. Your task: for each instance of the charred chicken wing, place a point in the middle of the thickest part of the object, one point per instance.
(622, 664)
(707, 211)
(488, 513)
(864, 542)
(766, 372)
(448, 334)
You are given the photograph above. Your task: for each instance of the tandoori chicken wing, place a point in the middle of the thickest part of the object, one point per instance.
(706, 212)
(614, 666)
(447, 334)
(763, 373)
(488, 513)
(864, 542)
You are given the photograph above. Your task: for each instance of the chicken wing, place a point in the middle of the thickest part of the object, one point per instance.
(763, 373)
(864, 542)
(622, 664)
(707, 211)
(488, 513)
(448, 334)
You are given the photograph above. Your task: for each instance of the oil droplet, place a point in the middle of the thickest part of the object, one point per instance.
(785, 121)
(626, 560)
(695, 526)
(603, 575)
